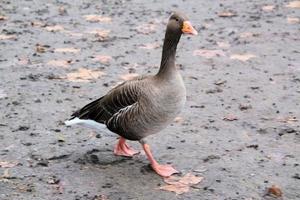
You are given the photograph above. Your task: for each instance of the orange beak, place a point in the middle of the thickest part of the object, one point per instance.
(188, 28)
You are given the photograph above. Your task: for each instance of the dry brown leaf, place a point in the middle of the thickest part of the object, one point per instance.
(230, 118)
(208, 53)
(224, 45)
(146, 28)
(104, 59)
(226, 14)
(293, 20)
(275, 190)
(62, 10)
(7, 37)
(101, 197)
(150, 46)
(245, 35)
(96, 18)
(6, 174)
(40, 48)
(127, 77)
(293, 4)
(84, 75)
(59, 63)
(3, 17)
(23, 60)
(268, 8)
(242, 57)
(190, 179)
(178, 119)
(289, 119)
(37, 24)
(67, 50)
(180, 185)
(8, 164)
(54, 28)
(178, 188)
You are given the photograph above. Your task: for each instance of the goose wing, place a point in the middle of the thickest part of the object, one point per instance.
(116, 100)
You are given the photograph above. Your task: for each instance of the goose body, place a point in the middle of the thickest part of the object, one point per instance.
(145, 105)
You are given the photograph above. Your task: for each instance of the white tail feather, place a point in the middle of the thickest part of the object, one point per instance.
(85, 122)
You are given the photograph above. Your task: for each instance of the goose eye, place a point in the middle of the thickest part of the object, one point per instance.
(176, 19)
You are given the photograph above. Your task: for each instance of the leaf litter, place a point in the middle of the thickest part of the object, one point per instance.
(293, 20)
(97, 18)
(83, 75)
(54, 28)
(293, 4)
(130, 76)
(227, 14)
(180, 185)
(8, 164)
(242, 57)
(104, 59)
(67, 50)
(59, 63)
(268, 8)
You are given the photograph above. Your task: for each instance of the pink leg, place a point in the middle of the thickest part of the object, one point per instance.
(162, 170)
(122, 149)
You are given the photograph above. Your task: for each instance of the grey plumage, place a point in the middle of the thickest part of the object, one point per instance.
(147, 104)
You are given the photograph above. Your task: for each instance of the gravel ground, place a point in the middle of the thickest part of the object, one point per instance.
(239, 129)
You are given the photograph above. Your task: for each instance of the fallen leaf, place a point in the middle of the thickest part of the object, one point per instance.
(248, 35)
(6, 174)
(96, 18)
(102, 59)
(7, 37)
(208, 53)
(8, 164)
(150, 46)
(245, 107)
(268, 8)
(67, 50)
(288, 119)
(40, 48)
(178, 188)
(226, 14)
(224, 45)
(2, 94)
(23, 60)
(230, 118)
(293, 4)
(3, 17)
(146, 28)
(190, 179)
(62, 10)
(274, 190)
(130, 76)
(61, 138)
(54, 28)
(242, 57)
(180, 185)
(84, 75)
(101, 197)
(220, 82)
(59, 63)
(293, 20)
(178, 120)
(37, 24)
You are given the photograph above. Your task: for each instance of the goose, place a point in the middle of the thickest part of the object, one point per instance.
(144, 105)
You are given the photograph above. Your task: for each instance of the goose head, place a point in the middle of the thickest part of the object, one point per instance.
(179, 23)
